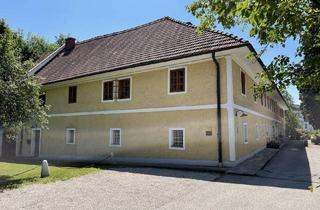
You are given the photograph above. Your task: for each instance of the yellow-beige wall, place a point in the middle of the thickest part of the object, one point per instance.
(147, 134)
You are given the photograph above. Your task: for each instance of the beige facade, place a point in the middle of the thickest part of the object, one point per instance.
(145, 119)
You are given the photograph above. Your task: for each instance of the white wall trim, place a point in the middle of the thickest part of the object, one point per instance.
(230, 109)
(144, 110)
(254, 113)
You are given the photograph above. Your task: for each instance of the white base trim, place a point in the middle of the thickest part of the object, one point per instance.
(131, 160)
(243, 158)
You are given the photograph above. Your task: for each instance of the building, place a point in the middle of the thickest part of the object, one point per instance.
(156, 93)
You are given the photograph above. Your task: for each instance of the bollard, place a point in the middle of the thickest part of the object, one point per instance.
(45, 169)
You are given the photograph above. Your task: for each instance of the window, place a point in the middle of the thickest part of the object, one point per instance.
(72, 94)
(124, 88)
(257, 132)
(107, 91)
(245, 133)
(177, 78)
(243, 83)
(70, 136)
(115, 137)
(177, 138)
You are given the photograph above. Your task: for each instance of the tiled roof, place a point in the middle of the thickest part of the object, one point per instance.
(161, 40)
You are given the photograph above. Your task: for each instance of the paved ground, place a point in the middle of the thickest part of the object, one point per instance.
(253, 165)
(146, 188)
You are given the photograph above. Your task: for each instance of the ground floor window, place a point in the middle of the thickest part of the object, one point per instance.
(70, 136)
(176, 138)
(245, 133)
(115, 137)
(257, 132)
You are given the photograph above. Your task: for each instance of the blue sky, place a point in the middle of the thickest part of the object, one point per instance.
(86, 19)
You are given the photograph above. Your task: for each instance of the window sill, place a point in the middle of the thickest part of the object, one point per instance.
(177, 148)
(245, 142)
(107, 101)
(117, 146)
(177, 93)
(125, 99)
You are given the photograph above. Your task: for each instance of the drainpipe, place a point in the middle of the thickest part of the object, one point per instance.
(218, 88)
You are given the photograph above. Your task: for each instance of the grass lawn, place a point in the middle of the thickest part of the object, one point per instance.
(13, 175)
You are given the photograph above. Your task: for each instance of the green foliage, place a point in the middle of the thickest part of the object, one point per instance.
(273, 22)
(311, 107)
(19, 90)
(292, 121)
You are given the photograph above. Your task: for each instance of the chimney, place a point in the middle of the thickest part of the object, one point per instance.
(70, 43)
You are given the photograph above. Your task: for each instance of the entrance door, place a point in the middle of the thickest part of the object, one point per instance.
(35, 141)
(8, 147)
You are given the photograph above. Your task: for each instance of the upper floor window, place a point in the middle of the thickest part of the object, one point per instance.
(107, 91)
(177, 80)
(72, 94)
(124, 88)
(243, 83)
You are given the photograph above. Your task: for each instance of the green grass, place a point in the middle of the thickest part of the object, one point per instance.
(13, 175)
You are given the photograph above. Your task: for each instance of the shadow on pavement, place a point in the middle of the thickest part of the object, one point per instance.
(289, 168)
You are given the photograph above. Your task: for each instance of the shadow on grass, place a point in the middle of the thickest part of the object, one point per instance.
(7, 182)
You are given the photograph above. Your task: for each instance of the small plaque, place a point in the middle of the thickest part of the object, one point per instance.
(208, 133)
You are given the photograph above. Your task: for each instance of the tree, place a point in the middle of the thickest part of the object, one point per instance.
(19, 90)
(310, 107)
(273, 22)
(292, 121)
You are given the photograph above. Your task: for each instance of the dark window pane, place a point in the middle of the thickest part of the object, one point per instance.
(243, 83)
(177, 80)
(108, 90)
(124, 88)
(72, 94)
(43, 99)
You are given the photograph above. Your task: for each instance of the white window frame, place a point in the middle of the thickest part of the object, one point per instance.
(171, 139)
(245, 83)
(74, 137)
(111, 137)
(125, 99)
(245, 132)
(257, 132)
(102, 89)
(185, 80)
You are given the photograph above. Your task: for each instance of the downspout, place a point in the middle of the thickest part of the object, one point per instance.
(218, 88)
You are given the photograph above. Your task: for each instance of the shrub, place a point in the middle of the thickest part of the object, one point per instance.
(273, 143)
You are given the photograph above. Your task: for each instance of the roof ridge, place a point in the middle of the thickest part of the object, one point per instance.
(208, 30)
(124, 31)
(159, 20)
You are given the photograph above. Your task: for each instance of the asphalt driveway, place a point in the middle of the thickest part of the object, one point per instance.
(149, 188)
